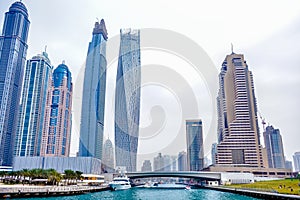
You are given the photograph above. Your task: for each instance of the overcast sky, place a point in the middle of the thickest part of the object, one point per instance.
(266, 32)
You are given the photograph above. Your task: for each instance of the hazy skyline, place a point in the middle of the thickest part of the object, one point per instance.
(266, 32)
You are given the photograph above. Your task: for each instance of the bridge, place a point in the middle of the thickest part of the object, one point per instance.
(181, 174)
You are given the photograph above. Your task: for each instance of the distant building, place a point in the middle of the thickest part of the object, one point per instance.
(108, 158)
(174, 163)
(57, 129)
(93, 95)
(238, 131)
(167, 163)
(296, 158)
(213, 153)
(37, 81)
(182, 161)
(207, 162)
(194, 138)
(127, 99)
(87, 165)
(289, 165)
(159, 162)
(147, 167)
(13, 50)
(274, 147)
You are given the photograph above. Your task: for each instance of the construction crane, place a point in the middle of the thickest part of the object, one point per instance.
(263, 121)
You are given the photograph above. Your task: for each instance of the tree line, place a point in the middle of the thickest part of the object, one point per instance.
(40, 176)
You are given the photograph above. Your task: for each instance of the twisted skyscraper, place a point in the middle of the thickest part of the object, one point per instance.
(13, 49)
(93, 96)
(127, 101)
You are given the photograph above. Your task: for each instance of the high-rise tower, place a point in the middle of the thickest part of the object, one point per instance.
(108, 158)
(274, 147)
(33, 106)
(238, 133)
(127, 100)
(93, 96)
(57, 129)
(194, 139)
(13, 49)
(182, 161)
(296, 158)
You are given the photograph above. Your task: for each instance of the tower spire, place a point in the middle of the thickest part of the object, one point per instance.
(232, 49)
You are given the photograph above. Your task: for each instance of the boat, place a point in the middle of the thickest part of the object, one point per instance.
(120, 182)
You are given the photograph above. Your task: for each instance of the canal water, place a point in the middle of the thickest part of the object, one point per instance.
(142, 193)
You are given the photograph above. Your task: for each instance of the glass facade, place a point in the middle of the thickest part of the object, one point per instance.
(56, 136)
(182, 161)
(194, 138)
(32, 110)
(274, 147)
(13, 49)
(296, 158)
(127, 99)
(93, 96)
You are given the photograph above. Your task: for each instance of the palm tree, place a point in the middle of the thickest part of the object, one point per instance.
(53, 176)
(78, 175)
(25, 173)
(69, 175)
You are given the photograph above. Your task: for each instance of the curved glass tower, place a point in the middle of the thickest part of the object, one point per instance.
(127, 100)
(93, 96)
(13, 49)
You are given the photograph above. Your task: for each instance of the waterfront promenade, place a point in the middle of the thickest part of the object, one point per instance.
(253, 193)
(31, 191)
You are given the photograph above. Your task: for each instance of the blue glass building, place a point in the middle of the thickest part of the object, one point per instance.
(127, 99)
(33, 106)
(274, 147)
(13, 49)
(194, 139)
(93, 96)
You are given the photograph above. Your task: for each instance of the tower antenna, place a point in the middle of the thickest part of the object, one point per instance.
(231, 48)
(45, 48)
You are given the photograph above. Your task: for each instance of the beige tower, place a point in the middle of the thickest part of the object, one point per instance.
(238, 132)
(57, 129)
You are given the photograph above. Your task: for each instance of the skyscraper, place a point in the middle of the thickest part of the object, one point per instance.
(288, 165)
(13, 49)
(274, 147)
(238, 133)
(182, 161)
(57, 129)
(194, 139)
(127, 99)
(158, 162)
(108, 158)
(93, 96)
(32, 111)
(296, 158)
(213, 153)
(147, 167)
